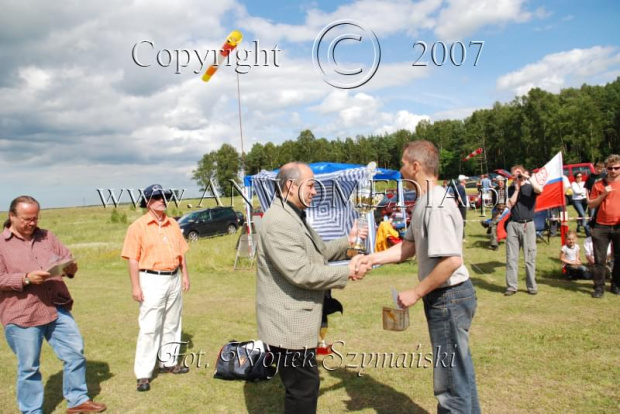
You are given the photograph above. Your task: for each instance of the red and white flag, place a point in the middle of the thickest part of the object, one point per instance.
(550, 178)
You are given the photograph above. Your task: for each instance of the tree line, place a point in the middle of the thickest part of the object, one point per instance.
(583, 123)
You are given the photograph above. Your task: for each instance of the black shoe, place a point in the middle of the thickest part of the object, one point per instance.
(615, 290)
(177, 369)
(493, 248)
(509, 292)
(143, 384)
(597, 294)
(484, 224)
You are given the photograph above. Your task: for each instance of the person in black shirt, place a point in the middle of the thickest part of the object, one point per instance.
(521, 230)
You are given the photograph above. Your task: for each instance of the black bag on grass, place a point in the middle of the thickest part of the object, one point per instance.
(248, 361)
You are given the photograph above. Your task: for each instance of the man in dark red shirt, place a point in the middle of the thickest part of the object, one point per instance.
(36, 305)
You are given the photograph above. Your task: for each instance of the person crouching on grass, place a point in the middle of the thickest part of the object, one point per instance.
(569, 256)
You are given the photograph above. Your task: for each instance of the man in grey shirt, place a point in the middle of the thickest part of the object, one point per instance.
(436, 236)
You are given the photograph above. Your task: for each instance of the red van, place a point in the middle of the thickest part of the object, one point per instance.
(586, 168)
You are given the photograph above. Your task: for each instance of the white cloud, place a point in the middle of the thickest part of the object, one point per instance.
(402, 120)
(35, 78)
(384, 17)
(68, 84)
(561, 70)
(463, 18)
(456, 113)
(361, 112)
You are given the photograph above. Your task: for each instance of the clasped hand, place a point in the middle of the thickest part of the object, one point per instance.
(359, 266)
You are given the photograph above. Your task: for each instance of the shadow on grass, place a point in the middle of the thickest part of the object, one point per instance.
(96, 373)
(364, 392)
(264, 396)
(480, 283)
(367, 393)
(485, 268)
(186, 345)
(554, 278)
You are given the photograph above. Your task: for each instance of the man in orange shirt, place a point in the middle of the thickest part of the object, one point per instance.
(605, 197)
(155, 249)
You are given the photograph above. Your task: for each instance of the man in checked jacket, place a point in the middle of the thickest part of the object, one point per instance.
(292, 276)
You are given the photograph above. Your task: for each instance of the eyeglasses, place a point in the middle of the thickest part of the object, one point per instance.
(157, 197)
(614, 168)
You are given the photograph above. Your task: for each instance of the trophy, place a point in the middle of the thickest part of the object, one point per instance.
(364, 201)
(330, 305)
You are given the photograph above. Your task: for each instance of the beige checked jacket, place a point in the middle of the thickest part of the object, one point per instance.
(292, 276)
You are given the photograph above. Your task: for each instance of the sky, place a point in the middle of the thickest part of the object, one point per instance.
(108, 94)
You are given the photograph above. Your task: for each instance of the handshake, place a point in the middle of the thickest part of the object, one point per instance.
(359, 266)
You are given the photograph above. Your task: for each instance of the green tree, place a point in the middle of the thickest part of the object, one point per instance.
(205, 171)
(228, 165)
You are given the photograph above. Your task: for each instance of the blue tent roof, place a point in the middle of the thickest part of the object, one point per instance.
(330, 167)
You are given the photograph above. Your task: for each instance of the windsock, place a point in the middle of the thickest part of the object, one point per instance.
(473, 154)
(234, 38)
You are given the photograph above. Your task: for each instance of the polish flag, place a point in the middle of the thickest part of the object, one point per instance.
(550, 177)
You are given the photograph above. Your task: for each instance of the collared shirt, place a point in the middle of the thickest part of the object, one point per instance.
(156, 246)
(609, 210)
(300, 212)
(31, 305)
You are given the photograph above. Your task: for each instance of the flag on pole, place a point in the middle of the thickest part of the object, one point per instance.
(473, 154)
(550, 178)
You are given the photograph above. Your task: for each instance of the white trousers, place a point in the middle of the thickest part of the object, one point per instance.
(160, 323)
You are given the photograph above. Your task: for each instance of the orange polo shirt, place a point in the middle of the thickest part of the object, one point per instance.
(155, 246)
(609, 209)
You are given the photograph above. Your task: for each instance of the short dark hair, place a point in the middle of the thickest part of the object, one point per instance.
(13, 208)
(424, 152)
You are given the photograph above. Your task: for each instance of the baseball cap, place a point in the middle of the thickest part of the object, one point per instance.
(462, 177)
(153, 190)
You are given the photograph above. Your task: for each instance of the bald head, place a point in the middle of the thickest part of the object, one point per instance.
(296, 181)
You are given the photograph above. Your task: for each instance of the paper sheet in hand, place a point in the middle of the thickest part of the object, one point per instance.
(57, 268)
(395, 319)
(395, 297)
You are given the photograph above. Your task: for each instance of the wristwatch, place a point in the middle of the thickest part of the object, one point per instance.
(26, 280)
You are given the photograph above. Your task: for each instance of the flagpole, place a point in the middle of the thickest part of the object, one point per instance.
(564, 223)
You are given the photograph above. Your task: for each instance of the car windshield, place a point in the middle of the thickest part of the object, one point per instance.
(188, 217)
(410, 195)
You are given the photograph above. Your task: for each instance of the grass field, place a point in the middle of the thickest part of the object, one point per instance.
(556, 352)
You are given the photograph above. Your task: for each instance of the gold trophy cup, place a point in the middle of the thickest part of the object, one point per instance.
(364, 201)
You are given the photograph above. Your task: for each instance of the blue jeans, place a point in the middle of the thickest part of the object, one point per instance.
(64, 337)
(449, 312)
(580, 206)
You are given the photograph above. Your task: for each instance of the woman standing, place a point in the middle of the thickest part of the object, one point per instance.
(580, 202)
